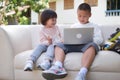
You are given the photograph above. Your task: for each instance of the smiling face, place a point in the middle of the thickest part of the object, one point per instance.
(48, 18)
(51, 22)
(83, 16)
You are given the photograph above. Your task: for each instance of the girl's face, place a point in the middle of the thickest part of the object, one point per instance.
(83, 16)
(51, 22)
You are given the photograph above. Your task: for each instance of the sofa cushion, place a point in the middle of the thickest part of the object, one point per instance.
(21, 58)
(105, 61)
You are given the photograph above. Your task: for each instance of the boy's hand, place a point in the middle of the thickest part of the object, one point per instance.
(49, 40)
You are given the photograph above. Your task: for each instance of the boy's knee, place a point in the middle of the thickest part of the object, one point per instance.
(57, 48)
(62, 47)
(92, 44)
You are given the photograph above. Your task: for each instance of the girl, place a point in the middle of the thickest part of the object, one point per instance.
(49, 37)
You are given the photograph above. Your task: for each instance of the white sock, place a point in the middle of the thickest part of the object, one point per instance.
(83, 71)
(58, 63)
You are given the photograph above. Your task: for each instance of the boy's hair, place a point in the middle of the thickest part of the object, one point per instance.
(46, 15)
(85, 7)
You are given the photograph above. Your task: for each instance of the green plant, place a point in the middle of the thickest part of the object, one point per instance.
(21, 15)
(24, 20)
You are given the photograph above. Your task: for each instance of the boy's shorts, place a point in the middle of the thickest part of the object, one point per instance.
(77, 48)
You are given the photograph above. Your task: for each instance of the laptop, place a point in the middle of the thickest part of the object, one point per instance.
(78, 35)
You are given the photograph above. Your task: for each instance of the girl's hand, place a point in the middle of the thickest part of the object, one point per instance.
(49, 40)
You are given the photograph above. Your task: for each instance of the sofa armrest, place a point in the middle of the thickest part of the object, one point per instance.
(19, 37)
(6, 57)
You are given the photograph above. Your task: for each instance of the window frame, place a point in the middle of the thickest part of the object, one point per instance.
(92, 3)
(68, 4)
(112, 8)
(52, 5)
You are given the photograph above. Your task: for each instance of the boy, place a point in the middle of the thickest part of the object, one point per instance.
(89, 50)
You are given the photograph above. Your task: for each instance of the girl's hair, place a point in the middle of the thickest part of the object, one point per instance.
(46, 15)
(85, 7)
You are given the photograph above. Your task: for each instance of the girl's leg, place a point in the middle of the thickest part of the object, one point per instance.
(49, 56)
(34, 56)
(50, 52)
(37, 52)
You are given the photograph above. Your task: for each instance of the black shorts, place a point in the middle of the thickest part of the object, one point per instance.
(77, 48)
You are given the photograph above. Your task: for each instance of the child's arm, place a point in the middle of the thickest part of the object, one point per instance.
(45, 39)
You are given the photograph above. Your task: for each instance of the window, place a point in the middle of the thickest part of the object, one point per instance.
(113, 8)
(113, 4)
(52, 5)
(68, 4)
(91, 2)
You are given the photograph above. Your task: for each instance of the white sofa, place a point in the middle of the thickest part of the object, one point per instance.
(18, 41)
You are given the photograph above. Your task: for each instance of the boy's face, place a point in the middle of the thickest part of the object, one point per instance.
(83, 16)
(51, 22)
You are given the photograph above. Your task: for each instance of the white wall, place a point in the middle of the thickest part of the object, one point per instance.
(98, 13)
(65, 16)
(70, 16)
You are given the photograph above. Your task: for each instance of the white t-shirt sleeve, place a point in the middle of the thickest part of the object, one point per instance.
(98, 38)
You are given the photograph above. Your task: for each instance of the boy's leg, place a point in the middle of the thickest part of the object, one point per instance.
(87, 59)
(60, 51)
(34, 56)
(49, 55)
(57, 70)
(59, 54)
